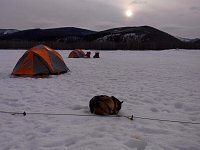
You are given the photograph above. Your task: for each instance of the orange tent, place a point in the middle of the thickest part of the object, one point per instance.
(77, 53)
(40, 60)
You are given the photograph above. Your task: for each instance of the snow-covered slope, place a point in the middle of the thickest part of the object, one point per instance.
(187, 40)
(122, 37)
(7, 31)
(155, 84)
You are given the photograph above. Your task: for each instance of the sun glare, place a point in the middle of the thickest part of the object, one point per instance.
(129, 13)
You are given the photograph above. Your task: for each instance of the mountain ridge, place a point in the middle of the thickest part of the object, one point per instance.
(136, 37)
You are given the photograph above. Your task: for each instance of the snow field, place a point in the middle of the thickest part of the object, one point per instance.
(156, 84)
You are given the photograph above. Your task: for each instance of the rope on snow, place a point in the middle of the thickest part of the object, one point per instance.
(132, 117)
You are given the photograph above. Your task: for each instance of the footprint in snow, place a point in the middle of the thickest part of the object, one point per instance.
(178, 105)
(136, 142)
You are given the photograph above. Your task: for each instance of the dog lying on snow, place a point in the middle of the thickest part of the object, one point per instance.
(105, 105)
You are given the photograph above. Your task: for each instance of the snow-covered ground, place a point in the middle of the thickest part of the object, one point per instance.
(155, 84)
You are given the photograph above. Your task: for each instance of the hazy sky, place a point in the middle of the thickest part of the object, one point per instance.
(177, 17)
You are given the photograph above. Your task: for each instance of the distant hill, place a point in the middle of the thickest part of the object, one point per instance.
(143, 33)
(140, 38)
(187, 39)
(197, 43)
(4, 32)
(144, 37)
(47, 34)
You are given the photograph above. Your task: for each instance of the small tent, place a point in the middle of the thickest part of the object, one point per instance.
(40, 60)
(77, 53)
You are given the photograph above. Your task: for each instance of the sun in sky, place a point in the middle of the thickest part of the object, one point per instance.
(128, 13)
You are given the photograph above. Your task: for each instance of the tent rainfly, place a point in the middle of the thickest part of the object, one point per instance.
(38, 61)
(77, 53)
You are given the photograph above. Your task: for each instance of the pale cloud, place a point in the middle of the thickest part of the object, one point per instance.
(138, 2)
(195, 8)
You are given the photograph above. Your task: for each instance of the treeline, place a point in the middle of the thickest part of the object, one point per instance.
(99, 45)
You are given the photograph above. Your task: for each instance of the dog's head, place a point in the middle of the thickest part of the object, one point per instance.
(117, 102)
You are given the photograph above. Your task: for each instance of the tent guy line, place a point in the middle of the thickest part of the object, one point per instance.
(132, 117)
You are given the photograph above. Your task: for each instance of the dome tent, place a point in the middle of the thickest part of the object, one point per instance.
(77, 53)
(40, 60)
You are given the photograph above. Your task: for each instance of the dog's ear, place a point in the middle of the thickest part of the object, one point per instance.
(114, 98)
(121, 102)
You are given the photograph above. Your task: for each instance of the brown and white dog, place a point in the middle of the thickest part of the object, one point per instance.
(105, 105)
